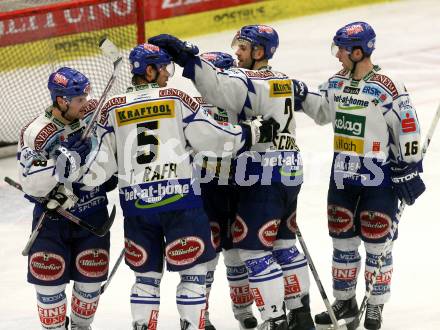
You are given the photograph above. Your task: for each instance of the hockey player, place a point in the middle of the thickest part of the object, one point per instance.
(63, 251)
(220, 203)
(149, 136)
(377, 161)
(268, 182)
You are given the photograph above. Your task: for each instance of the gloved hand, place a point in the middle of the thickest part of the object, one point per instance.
(70, 152)
(259, 130)
(300, 92)
(180, 51)
(61, 196)
(407, 182)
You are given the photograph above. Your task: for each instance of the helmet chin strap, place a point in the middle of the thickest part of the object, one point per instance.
(355, 62)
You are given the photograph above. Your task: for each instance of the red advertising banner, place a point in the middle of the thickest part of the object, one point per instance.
(31, 25)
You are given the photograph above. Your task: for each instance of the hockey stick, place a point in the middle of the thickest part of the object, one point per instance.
(390, 237)
(336, 324)
(111, 51)
(113, 271)
(100, 231)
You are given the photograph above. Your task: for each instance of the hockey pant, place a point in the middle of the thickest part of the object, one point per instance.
(52, 304)
(347, 264)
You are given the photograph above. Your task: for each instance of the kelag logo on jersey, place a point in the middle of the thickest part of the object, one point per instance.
(348, 124)
(280, 88)
(145, 111)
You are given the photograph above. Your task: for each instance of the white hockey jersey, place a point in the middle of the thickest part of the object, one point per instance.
(374, 124)
(150, 136)
(38, 142)
(247, 94)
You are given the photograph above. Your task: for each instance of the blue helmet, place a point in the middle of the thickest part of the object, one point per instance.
(357, 34)
(259, 35)
(67, 82)
(219, 60)
(147, 54)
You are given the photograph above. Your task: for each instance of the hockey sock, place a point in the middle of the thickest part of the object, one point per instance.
(51, 303)
(345, 267)
(190, 296)
(210, 277)
(85, 298)
(295, 272)
(237, 275)
(265, 282)
(381, 289)
(145, 299)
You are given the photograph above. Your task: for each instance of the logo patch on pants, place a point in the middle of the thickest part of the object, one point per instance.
(93, 262)
(135, 254)
(184, 251)
(46, 266)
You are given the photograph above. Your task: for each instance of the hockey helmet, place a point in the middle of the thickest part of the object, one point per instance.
(356, 34)
(258, 35)
(219, 60)
(68, 82)
(147, 54)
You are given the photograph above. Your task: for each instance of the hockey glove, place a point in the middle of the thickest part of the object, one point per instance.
(180, 51)
(300, 92)
(73, 154)
(61, 196)
(407, 182)
(258, 130)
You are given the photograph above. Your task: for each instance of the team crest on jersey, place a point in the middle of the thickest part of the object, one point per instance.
(184, 251)
(93, 262)
(280, 88)
(46, 266)
(268, 232)
(375, 225)
(239, 230)
(145, 111)
(339, 218)
(135, 254)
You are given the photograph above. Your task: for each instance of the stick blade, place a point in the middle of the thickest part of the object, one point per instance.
(109, 49)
